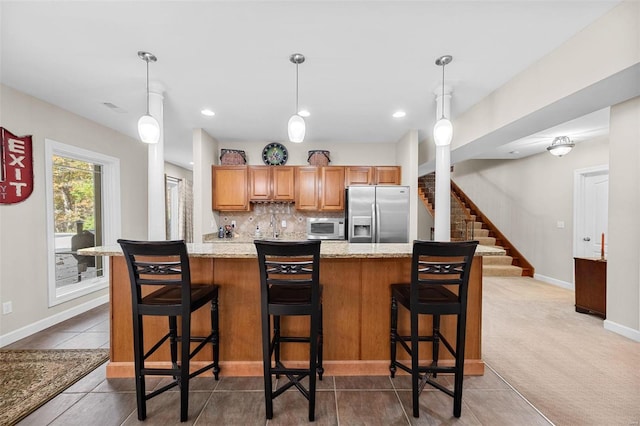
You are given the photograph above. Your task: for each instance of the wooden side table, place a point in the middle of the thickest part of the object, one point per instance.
(591, 286)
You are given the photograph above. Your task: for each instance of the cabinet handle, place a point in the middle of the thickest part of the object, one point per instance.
(586, 239)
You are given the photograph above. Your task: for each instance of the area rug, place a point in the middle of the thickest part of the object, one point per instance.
(29, 378)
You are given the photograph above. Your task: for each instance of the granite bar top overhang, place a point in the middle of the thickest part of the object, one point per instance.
(328, 249)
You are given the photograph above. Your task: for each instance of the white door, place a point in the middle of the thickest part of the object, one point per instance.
(591, 211)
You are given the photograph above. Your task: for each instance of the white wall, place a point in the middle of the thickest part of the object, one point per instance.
(526, 198)
(407, 155)
(177, 172)
(23, 245)
(205, 154)
(623, 264)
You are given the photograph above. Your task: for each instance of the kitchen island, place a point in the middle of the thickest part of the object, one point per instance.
(356, 304)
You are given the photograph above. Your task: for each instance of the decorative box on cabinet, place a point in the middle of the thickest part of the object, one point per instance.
(591, 286)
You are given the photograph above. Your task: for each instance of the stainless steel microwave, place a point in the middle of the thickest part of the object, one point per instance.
(325, 228)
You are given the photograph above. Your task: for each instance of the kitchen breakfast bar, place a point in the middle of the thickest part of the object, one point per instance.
(356, 304)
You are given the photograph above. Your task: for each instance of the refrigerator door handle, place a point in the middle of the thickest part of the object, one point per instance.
(377, 223)
(374, 225)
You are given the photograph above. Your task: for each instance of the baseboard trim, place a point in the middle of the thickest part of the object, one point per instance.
(472, 367)
(553, 281)
(28, 330)
(622, 330)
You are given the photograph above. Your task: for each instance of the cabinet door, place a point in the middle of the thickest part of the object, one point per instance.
(283, 188)
(387, 175)
(307, 179)
(229, 188)
(332, 188)
(358, 175)
(259, 183)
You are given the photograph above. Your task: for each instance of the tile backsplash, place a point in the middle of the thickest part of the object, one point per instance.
(264, 214)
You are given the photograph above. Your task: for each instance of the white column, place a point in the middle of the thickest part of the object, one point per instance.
(156, 185)
(442, 219)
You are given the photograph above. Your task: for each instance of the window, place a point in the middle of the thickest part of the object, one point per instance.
(83, 211)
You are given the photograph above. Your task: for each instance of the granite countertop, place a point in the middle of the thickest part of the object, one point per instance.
(328, 249)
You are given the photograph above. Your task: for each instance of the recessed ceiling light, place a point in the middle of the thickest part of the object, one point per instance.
(399, 114)
(191, 162)
(304, 113)
(207, 112)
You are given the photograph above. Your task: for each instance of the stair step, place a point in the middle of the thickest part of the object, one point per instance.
(485, 241)
(478, 232)
(500, 270)
(497, 260)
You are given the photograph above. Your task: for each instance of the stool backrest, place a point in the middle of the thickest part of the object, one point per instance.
(154, 264)
(441, 264)
(289, 264)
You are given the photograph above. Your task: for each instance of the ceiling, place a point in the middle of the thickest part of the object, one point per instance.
(364, 61)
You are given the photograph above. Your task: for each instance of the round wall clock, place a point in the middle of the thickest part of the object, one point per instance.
(275, 154)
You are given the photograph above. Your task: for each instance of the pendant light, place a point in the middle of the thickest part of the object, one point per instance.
(443, 130)
(560, 146)
(296, 126)
(148, 127)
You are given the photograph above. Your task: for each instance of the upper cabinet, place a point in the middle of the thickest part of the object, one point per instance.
(271, 183)
(230, 188)
(372, 175)
(320, 188)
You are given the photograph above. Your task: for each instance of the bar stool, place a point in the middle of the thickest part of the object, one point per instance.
(290, 286)
(439, 286)
(165, 266)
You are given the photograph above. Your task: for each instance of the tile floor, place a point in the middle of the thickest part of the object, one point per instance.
(371, 400)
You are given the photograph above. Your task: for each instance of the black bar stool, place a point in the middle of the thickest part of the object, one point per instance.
(165, 266)
(290, 285)
(439, 286)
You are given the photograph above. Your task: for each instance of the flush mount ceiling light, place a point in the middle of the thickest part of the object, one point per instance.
(560, 146)
(443, 130)
(148, 127)
(207, 112)
(296, 126)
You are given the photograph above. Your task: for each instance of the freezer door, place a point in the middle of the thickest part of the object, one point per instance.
(360, 207)
(393, 214)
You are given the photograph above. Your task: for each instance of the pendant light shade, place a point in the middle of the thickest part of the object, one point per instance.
(296, 126)
(148, 127)
(443, 129)
(443, 132)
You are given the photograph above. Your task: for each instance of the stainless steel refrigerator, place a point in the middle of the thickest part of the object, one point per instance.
(378, 214)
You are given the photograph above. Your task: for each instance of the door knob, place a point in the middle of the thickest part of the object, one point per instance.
(586, 239)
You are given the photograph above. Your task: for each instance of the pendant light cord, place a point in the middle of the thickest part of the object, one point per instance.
(147, 61)
(442, 102)
(297, 89)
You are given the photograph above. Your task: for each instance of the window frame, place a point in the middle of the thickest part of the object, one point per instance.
(111, 222)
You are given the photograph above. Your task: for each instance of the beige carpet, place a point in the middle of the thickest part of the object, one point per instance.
(565, 363)
(29, 378)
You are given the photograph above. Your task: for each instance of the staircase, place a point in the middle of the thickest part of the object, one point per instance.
(467, 223)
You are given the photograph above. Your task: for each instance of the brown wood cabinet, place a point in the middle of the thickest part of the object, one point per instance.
(320, 188)
(271, 183)
(229, 188)
(591, 286)
(372, 175)
(332, 188)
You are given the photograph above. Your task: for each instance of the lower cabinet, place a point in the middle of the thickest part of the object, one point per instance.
(591, 286)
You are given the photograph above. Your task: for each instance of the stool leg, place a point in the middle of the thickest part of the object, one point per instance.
(266, 363)
(215, 330)
(173, 341)
(415, 372)
(435, 354)
(138, 349)
(276, 340)
(185, 346)
(459, 374)
(320, 342)
(313, 364)
(393, 336)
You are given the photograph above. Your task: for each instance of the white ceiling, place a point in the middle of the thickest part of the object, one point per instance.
(364, 60)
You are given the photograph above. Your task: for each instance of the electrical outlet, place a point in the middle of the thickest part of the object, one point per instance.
(233, 223)
(7, 308)
(560, 224)
(284, 223)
